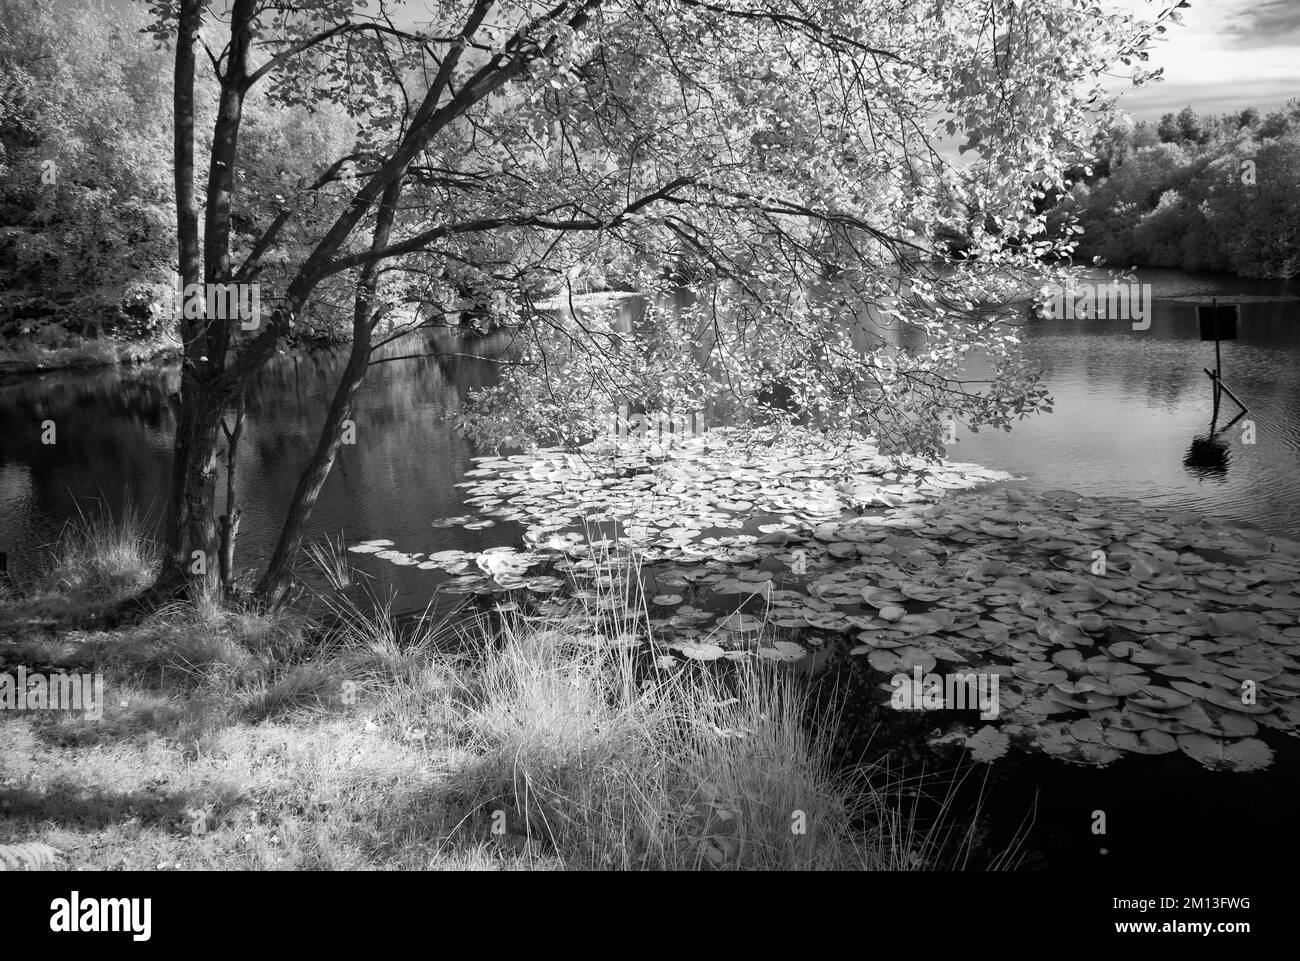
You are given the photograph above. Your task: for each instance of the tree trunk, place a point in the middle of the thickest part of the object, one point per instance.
(191, 549)
(279, 573)
(209, 378)
(230, 519)
(191, 531)
(188, 525)
(187, 216)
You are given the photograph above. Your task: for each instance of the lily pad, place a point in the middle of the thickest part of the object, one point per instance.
(988, 744)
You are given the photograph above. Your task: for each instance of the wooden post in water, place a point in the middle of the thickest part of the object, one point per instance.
(1218, 364)
(1217, 324)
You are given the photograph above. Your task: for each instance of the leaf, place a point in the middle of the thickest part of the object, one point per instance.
(988, 744)
(1234, 624)
(782, 651)
(1160, 698)
(699, 651)
(1250, 754)
(27, 857)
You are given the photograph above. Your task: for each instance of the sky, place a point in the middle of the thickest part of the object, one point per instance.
(1228, 54)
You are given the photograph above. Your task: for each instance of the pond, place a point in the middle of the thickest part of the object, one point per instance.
(114, 430)
(1130, 407)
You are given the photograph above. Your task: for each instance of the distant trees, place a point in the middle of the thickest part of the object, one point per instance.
(1216, 193)
(85, 197)
(87, 208)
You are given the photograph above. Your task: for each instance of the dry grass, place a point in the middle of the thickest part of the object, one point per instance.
(103, 557)
(245, 739)
(582, 750)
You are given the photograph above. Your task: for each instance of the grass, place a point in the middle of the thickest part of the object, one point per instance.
(102, 558)
(99, 561)
(246, 739)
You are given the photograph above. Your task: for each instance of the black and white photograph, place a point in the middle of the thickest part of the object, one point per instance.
(650, 436)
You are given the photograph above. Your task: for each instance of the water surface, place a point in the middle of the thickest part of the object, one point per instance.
(1129, 407)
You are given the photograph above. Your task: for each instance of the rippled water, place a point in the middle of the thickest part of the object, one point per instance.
(1132, 406)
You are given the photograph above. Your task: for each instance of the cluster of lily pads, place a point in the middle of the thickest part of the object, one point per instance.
(1113, 630)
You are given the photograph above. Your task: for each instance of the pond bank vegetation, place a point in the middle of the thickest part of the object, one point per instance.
(239, 738)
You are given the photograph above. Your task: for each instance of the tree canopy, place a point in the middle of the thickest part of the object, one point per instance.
(790, 170)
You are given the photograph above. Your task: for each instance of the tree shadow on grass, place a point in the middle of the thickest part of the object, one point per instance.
(143, 719)
(65, 804)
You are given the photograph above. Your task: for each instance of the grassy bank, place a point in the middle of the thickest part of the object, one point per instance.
(249, 739)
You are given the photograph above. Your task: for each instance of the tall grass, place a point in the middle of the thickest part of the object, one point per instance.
(98, 561)
(101, 557)
(331, 559)
(502, 741)
(575, 749)
(595, 759)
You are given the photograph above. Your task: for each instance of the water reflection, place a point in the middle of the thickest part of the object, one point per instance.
(1127, 402)
(1207, 457)
(114, 430)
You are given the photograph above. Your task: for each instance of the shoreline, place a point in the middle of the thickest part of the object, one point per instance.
(91, 355)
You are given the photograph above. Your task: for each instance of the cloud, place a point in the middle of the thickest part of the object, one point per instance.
(1226, 55)
(1150, 103)
(1265, 24)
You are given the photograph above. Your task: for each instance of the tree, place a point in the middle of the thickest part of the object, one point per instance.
(1275, 124)
(1168, 130)
(1159, 234)
(1190, 128)
(1256, 224)
(84, 195)
(1224, 203)
(786, 147)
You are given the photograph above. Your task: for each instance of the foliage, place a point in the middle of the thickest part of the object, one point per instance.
(85, 202)
(796, 172)
(782, 162)
(1214, 193)
(27, 857)
(87, 215)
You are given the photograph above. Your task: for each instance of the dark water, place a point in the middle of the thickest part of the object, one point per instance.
(114, 430)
